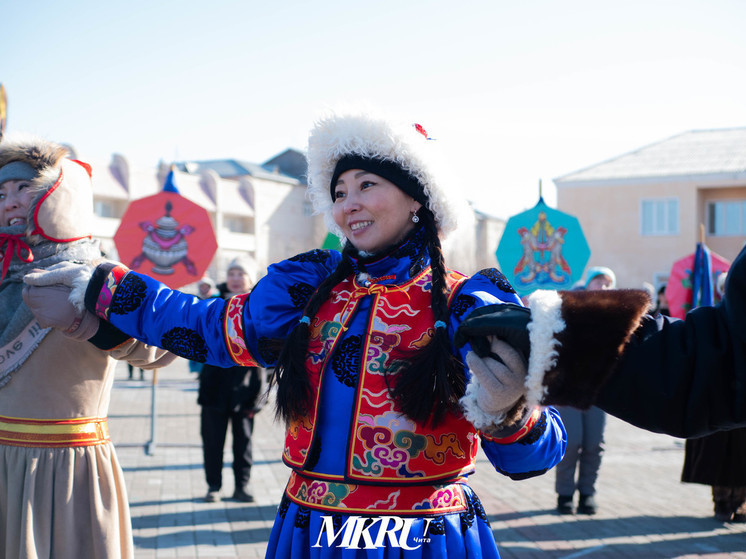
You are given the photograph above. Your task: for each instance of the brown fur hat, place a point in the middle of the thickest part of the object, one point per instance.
(62, 210)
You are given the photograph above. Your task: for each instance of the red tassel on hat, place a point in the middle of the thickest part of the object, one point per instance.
(421, 130)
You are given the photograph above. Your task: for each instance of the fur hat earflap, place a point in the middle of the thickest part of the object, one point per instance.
(62, 210)
(407, 146)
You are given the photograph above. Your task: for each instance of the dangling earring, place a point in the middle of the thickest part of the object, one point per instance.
(415, 218)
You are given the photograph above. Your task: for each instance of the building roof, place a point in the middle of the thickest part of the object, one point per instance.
(190, 186)
(234, 169)
(107, 181)
(233, 199)
(690, 155)
(290, 162)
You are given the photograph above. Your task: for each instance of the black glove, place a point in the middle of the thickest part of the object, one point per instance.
(506, 321)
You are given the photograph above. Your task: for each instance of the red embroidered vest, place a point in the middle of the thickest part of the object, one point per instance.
(387, 447)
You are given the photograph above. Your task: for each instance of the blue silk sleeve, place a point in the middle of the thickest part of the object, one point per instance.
(198, 330)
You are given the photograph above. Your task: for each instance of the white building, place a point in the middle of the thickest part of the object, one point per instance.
(259, 210)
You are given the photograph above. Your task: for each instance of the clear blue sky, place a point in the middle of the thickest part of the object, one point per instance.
(521, 91)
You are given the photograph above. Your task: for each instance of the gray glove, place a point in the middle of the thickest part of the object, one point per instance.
(52, 308)
(496, 386)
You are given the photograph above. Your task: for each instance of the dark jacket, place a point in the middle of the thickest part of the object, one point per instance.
(237, 389)
(717, 459)
(223, 290)
(686, 377)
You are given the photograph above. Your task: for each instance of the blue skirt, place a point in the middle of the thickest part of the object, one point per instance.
(303, 533)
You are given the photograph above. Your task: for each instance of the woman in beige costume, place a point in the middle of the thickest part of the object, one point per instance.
(62, 492)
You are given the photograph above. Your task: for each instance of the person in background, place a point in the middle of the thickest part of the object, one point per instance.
(205, 290)
(661, 306)
(230, 396)
(62, 491)
(719, 460)
(585, 434)
(383, 418)
(131, 372)
(240, 271)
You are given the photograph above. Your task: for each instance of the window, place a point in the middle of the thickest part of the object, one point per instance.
(659, 216)
(726, 218)
(103, 208)
(235, 224)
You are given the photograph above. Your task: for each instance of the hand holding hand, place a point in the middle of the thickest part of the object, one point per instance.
(497, 384)
(506, 321)
(52, 308)
(69, 274)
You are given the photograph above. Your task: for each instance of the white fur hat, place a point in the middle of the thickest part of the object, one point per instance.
(62, 210)
(337, 135)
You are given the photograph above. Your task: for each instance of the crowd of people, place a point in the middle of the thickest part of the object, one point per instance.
(390, 369)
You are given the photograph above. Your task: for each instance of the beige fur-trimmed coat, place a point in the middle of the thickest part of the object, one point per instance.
(67, 502)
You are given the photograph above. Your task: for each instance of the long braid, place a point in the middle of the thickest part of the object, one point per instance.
(293, 384)
(434, 382)
(424, 391)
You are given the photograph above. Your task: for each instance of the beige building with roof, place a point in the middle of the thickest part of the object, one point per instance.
(642, 211)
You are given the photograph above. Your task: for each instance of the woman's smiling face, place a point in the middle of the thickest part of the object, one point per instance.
(15, 199)
(372, 212)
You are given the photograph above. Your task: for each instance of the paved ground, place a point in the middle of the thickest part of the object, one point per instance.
(645, 512)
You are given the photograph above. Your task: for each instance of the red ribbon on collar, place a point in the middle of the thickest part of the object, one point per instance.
(15, 244)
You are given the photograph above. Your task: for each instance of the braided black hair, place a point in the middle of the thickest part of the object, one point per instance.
(293, 384)
(434, 381)
(425, 390)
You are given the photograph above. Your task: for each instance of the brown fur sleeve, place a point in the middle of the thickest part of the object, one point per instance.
(598, 326)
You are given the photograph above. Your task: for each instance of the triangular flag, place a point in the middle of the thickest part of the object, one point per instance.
(169, 185)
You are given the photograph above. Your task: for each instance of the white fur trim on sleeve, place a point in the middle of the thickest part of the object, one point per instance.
(79, 287)
(546, 322)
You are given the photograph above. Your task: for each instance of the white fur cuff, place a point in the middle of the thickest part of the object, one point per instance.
(478, 417)
(546, 322)
(79, 287)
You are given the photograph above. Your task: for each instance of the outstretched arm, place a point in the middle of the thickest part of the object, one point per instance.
(238, 331)
(685, 377)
